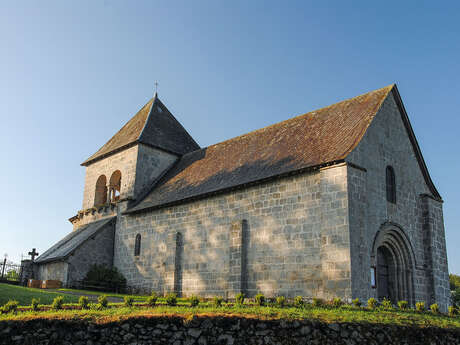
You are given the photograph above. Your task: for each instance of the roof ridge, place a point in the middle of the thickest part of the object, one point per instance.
(389, 87)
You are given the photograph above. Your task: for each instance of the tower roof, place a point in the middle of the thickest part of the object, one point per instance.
(153, 125)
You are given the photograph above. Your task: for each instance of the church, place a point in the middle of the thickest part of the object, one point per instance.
(337, 202)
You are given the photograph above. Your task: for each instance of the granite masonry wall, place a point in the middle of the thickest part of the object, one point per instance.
(386, 142)
(295, 241)
(139, 165)
(53, 271)
(218, 330)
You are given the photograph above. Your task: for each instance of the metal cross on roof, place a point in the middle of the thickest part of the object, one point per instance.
(33, 254)
(156, 87)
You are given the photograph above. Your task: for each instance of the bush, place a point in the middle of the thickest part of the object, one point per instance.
(317, 302)
(129, 301)
(456, 297)
(280, 301)
(102, 301)
(420, 306)
(434, 308)
(171, 299)
(152, 299)
(336, 302)
(217, 301)
(403, 305)
(107, 279)
(83, 302)
(260, 299)
(386, 304)
(194, 301)
(356, 302)
(298, 302)
(239, 298)
(452, 311)
(371, 303)
(58, 302)
(34, 304)
(10, 307)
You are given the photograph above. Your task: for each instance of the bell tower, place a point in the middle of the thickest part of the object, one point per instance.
(138, 154)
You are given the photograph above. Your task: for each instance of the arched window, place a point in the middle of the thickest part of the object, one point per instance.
(100, 195)
(115, 186)
(391, 185)
(137, 245)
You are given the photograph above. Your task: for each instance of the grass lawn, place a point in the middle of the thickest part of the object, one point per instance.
(137, 298)
(330, 315)
(24, 295)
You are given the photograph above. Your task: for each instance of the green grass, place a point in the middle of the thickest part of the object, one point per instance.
(137, 298)
(330, 315)
(24, 295)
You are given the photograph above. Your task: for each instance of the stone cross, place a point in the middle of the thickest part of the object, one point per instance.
(33, 254)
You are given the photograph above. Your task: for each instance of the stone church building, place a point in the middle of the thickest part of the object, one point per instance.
(335, 202)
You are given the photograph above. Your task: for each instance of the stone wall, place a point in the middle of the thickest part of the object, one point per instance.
(125, 161)
(96, 250)
(296, 243)
(53, 271)
(386, 142)
(218, 330)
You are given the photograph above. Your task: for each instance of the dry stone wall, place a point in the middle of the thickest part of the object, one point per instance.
(218, 330)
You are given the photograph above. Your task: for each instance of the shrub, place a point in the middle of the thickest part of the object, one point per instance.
(298, 302)
(10, 307)
(456, 297)
(371, 303)
(152, 299)
(34, 304)
(171, 299)
(239, 298)
(356, 302)
(217, 301)
(194, 301)
(260, 299)
(317, 302)
(83, 302)
(337, 302)
(58, 302)
(280, 301)
(452, 310)
(106, 278)
(386, 304)
(129, 301)
(434, 308)
(102, 301)
(420, 306)
(403, 305)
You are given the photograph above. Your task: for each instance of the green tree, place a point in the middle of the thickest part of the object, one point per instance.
(454, 281)
(12, 275)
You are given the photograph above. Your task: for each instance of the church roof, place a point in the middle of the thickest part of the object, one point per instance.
(72, 241)
(153, 125)
(316, 138)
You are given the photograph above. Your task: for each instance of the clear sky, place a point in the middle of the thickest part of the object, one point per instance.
(72, 73)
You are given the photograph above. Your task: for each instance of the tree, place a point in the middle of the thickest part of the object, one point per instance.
(12, 275)
(454, 281)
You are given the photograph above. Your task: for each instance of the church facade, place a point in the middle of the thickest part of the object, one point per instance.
(335, 202)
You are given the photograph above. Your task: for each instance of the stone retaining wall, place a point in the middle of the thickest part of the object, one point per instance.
(216, 330)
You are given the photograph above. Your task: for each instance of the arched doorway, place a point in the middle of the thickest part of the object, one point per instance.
(394, 261)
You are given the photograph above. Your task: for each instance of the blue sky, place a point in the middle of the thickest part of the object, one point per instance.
(72, 73)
